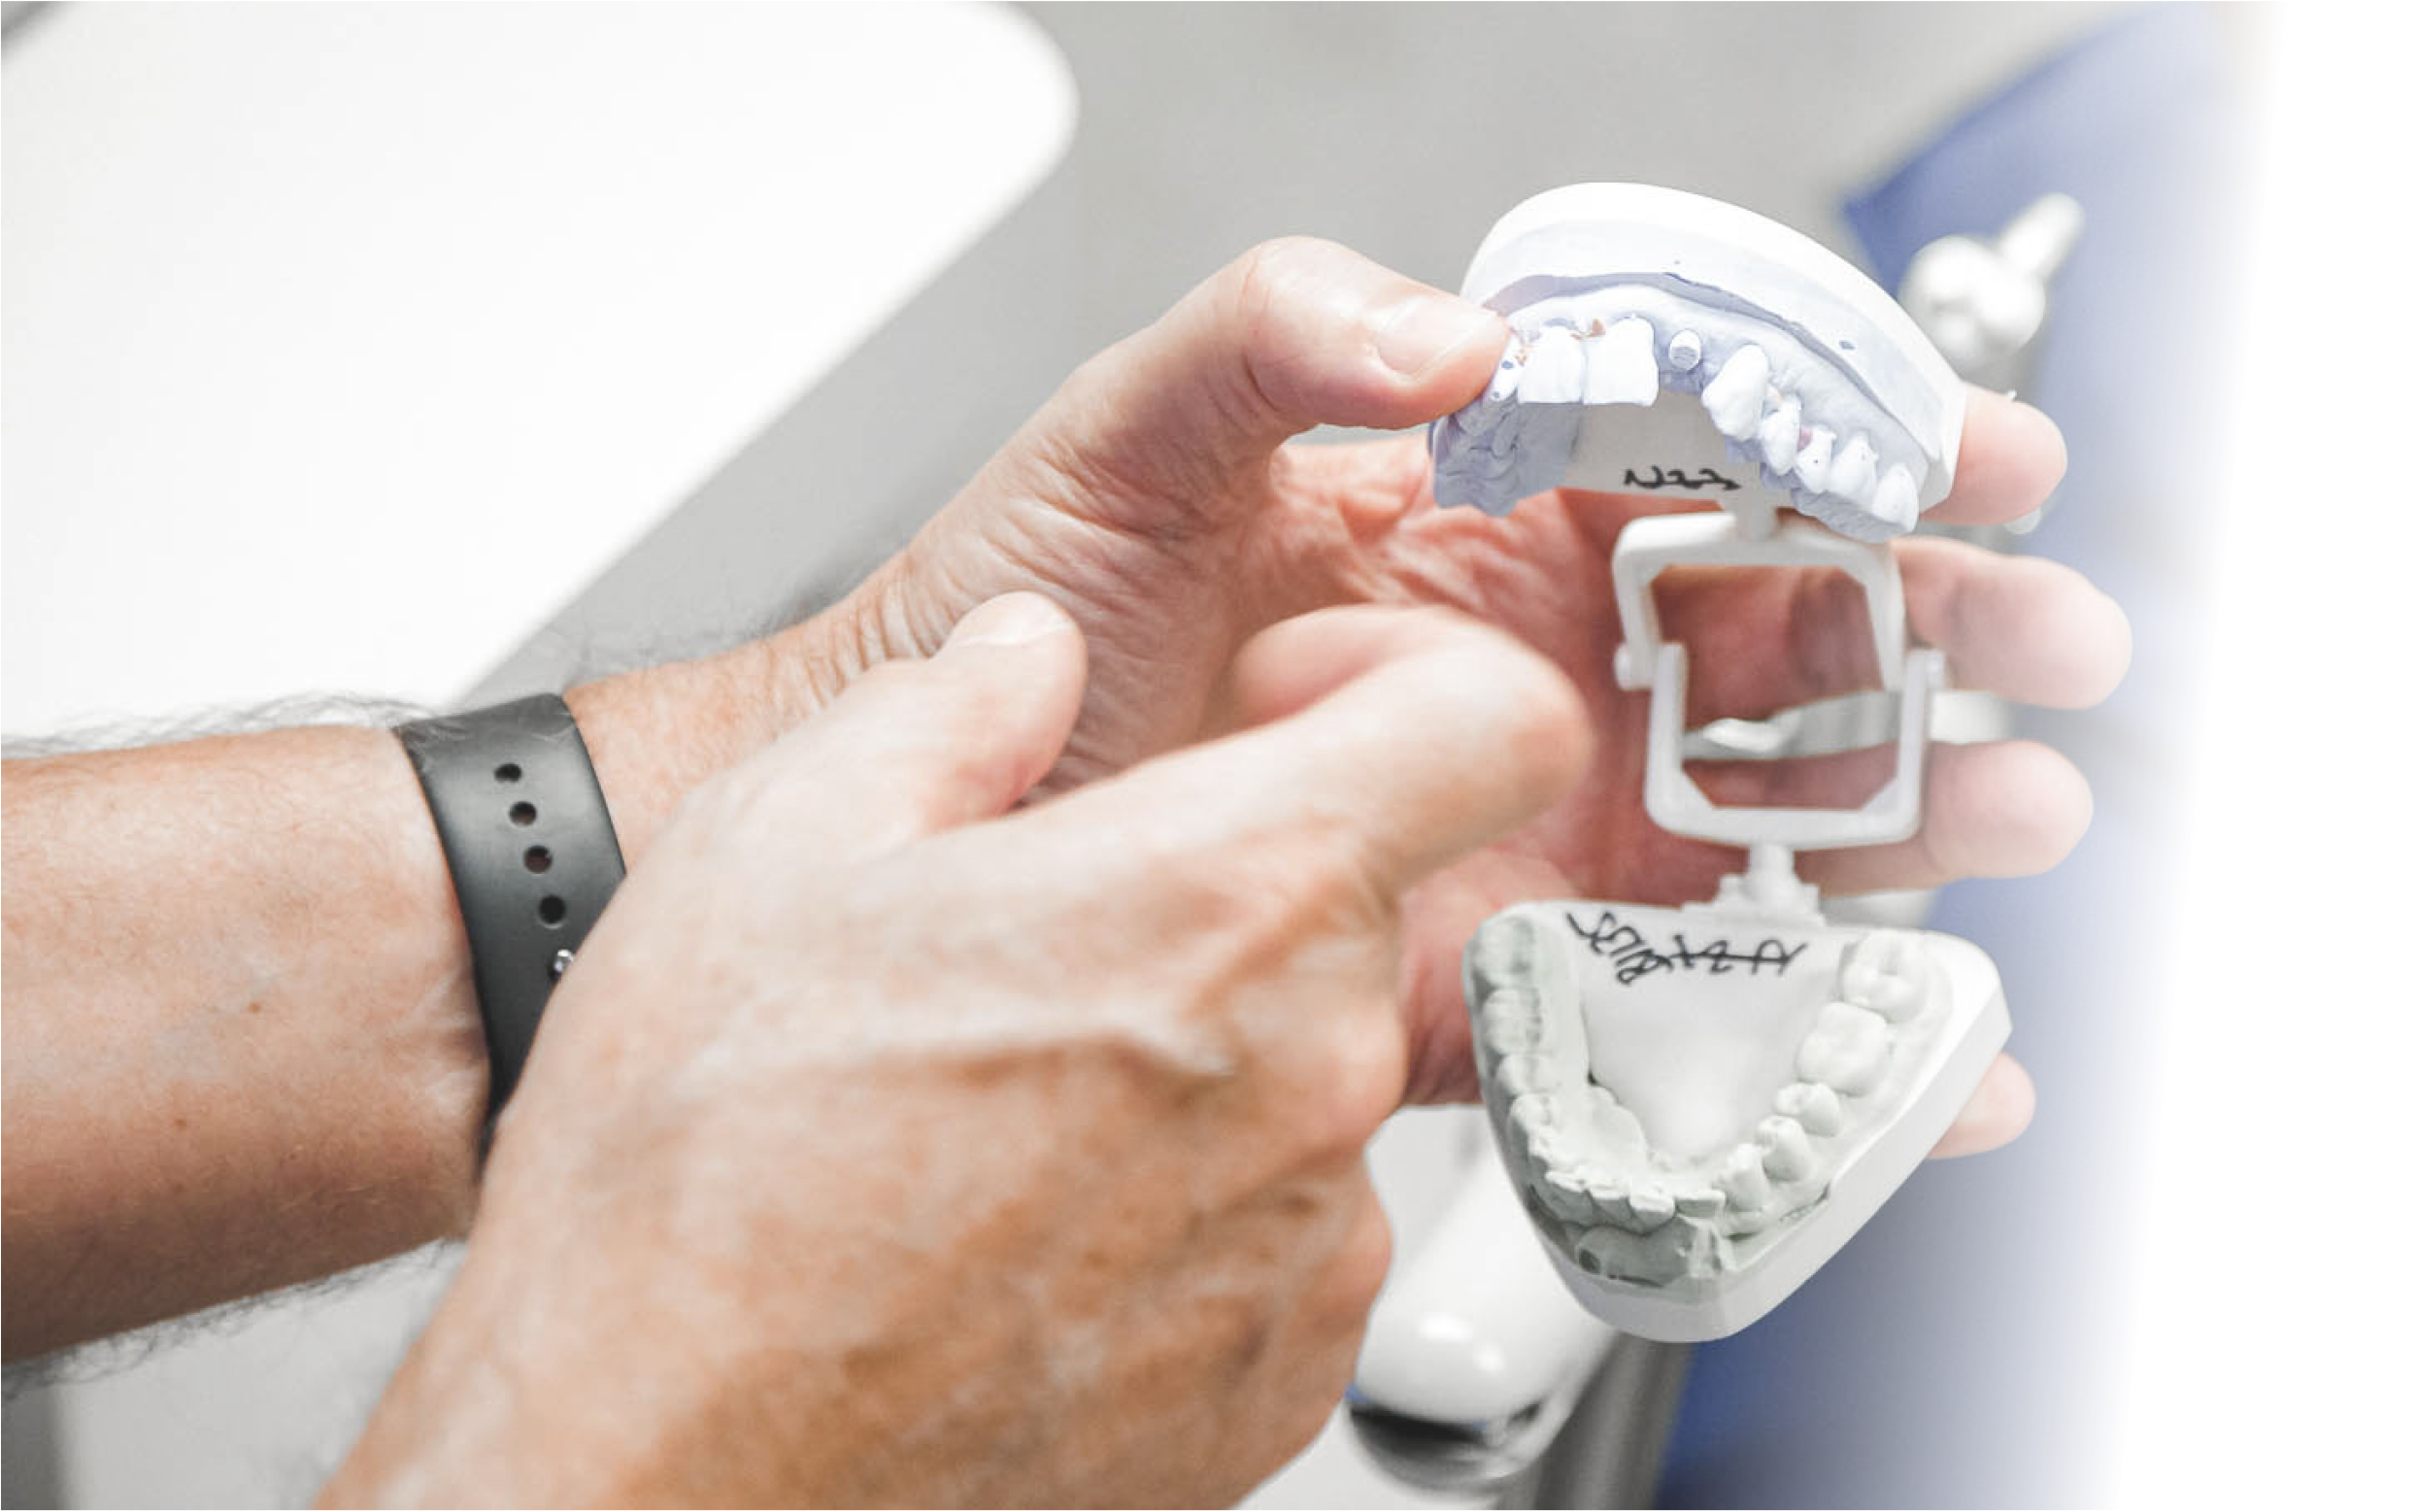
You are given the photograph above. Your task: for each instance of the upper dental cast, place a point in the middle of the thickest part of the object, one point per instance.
(1617, 294)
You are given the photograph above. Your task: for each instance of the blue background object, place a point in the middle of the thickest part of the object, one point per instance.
(1956, 1351)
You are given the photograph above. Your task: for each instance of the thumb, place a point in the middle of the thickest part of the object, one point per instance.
(912, 747)
(1292, 335)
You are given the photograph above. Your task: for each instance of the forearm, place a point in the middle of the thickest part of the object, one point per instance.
(242, 1045)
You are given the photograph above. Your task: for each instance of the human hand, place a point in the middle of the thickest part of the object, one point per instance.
(1154, 498)
(881, 1150)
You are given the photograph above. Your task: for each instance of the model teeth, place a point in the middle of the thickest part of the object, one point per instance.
(1701, 1202)
(1556, 369)
(1897, 500)
(1888, 974)
(1619, 367)
(1855, 472)
(1610, 1204)
(1781, 433)
(1510, 1033)
(1564, 1192)
(1847, 1049)
(1523, 1074)
(1652, 1206)
(1505, 950)
(1772, 400)
(1786, 1151)
(1733, 398)
(1506, 377)
(1588, 1163)
(1814, 1105)
(1743, 1179)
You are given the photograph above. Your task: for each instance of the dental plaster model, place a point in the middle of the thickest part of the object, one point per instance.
(1699, 1105)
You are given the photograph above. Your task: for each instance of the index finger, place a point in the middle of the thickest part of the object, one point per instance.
(1400, 738)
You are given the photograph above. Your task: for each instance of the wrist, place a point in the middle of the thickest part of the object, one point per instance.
(656, 733)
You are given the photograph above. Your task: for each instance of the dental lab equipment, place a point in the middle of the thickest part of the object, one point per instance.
(1699, 1105)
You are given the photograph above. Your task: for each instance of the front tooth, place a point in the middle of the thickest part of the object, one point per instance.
(1814, 1105)
(1564, 1192)
(1505, 950)
(1610, 1202)
(1847, 1049)
(1856, 471)
(1812, 462)
(1686, 349)
(1618, 365)
(1786, 1153)
(1556, 369)
(1782, 431)
(1899, 499)
(1742, 1178)
(1652, 1206)
(1888, 972)
(1734, 399)
(1703, 1201)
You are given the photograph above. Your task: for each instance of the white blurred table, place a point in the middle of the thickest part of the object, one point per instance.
(345, 343)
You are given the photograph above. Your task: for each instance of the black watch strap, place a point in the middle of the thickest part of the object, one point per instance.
(532, 852)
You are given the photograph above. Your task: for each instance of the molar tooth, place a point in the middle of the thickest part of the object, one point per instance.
(1897, 500)
(1618, 364)
(1734, 399)
(1686, 349)
(1814, 1105)
(1556, 369)
(1518, 1075)
(1888, 972)
(1512, 1034)
(1786, 1154)
(1507, 1006)
(1856, 471)
(1742, 1178)
(1535, 1114)
(1505, 950)
(1812, 462)
(1781, 432)
(1847, 1049)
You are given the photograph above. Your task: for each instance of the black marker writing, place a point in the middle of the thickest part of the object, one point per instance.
(1679, 478)
(1632, 957)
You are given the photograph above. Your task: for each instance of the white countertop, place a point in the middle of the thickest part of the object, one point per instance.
(345, 343)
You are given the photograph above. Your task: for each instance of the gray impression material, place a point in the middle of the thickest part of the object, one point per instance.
(1699, 1105)
(1819, 390)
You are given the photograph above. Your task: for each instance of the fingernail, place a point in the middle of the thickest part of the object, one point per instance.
(1420, 332)
(1009, 620)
